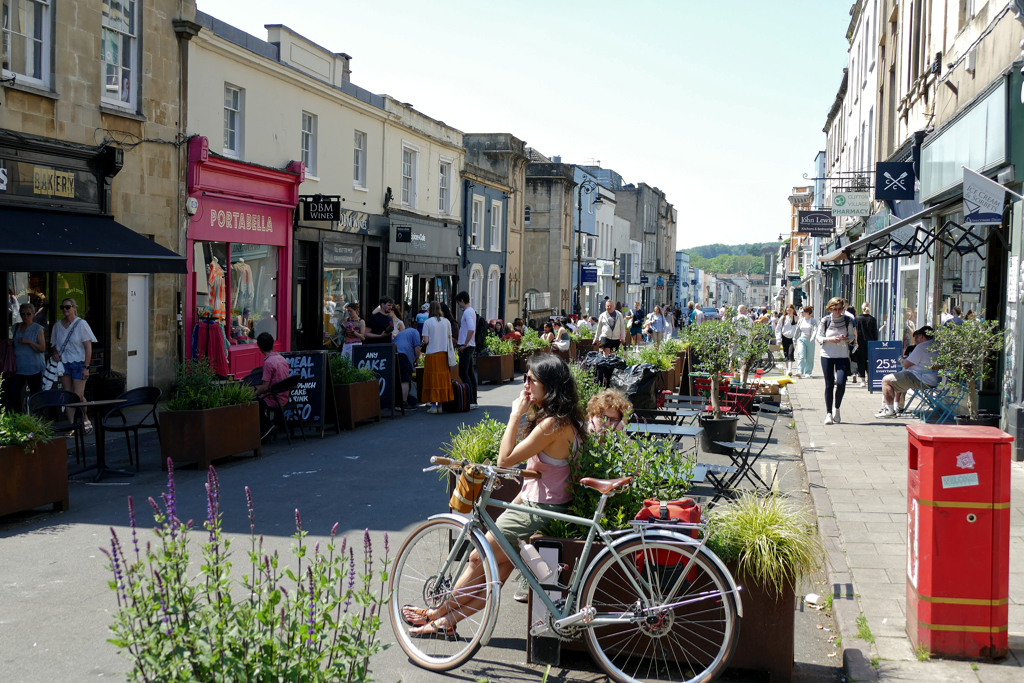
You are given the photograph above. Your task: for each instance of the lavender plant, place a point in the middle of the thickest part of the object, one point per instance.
(314, 623)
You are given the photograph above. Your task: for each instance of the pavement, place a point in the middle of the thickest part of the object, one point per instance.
(858, 482)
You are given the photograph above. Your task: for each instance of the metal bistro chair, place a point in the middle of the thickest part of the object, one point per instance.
(937, 405)
(254, 379)
(286, 384)
(744, 458)
(136, 419)
(47, 404)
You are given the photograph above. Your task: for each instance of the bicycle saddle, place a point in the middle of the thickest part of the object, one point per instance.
(605, 485)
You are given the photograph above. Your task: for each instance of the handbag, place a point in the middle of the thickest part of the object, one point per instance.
(55, 368)
(453, 359)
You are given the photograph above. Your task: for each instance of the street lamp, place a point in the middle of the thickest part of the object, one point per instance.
(590, 187)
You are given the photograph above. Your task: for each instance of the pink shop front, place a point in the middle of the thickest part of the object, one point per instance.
(239, 258)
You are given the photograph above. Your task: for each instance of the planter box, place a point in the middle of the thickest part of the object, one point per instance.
(357, 402)
(766, 631)
(585, 346)
(29, 480)
(495, 369)
(521, 361)
(202, 436)
(566, 355)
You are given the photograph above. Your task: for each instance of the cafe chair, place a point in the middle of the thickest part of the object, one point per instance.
(254, 379)
(50, 406)
(117, 420)
(288, 385)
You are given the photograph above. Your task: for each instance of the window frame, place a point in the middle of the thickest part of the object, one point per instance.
(359, 159)
(476, 286)
(135, 53)
(527, 215)
(444, 190)
(45, 40)
(476, 236)
(493, 297)
(311, 151)
(414, 154)
(236, 151)
(494, 225)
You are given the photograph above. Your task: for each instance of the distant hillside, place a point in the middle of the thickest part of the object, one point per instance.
(730, 258)
(710, 251)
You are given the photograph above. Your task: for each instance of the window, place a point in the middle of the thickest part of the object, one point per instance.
(409, 159)
(25, 25)
(476, 236)
(359, 160)
(249, 306)
(493, 293)
(232, 121)
(309, 142)
(119, 46)
(476, 282)
(526, 216)
(495, 226)
(444, 184)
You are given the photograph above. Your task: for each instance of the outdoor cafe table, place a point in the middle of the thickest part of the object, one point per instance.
(676, 432)
(101, 455)
(674, 414)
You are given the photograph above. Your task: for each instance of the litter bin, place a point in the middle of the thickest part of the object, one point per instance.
(958, 540)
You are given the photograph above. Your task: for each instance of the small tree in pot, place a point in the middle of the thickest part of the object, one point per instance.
(751, 344)
(711, 341)
(963, 354)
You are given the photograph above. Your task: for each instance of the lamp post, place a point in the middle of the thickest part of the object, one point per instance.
(590, 187)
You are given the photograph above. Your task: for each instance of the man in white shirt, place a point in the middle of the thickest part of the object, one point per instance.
(467, 345)
(698, 314)
(611, 329)
(917, 373)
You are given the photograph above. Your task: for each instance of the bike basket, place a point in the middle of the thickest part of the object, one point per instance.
(468, 489)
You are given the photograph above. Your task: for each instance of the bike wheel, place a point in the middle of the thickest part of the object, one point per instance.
(689, 642)
(417, 580)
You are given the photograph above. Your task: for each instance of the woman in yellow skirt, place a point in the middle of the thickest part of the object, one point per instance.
(437, 380)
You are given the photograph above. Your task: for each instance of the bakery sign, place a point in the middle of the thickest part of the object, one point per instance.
(20, 178)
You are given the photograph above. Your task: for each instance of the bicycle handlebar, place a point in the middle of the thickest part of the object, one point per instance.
(449, 462)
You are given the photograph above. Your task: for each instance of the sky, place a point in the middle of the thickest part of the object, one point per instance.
(721, 105)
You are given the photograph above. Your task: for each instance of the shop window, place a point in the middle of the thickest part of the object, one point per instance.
(45, 291)
(359, 160)
(234, 99)
(341, 287)
(119, 47)
(476, 236)
(309, 143)
(25, 29)
(236, 286)
(495, 226)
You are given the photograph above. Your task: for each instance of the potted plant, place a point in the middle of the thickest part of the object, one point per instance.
(711, 342)
(964, 355)
(33, 464)
(530, 344)
(204, 421)
(479, 443)
(356, 392)
(751, 344)
(769, 544)
(496, 363)
(660, 359)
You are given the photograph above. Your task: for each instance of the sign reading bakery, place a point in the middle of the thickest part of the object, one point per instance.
(19, 178)
(227, 220)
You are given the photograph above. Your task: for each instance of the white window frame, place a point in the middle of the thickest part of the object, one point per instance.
(44, 39)
(125, 31)
(444, 186)
(409, 175)
(476, 286)
(476, 232)
(309, 125)
(239, 121)
(359, 160)
(495, 225)
(493, 293)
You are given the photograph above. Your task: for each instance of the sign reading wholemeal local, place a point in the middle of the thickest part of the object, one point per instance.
(851, 204)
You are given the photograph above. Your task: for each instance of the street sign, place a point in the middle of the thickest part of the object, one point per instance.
(313, 399)
(894, 180)
(589, 274)
(643, 279)
(883, 359)
(851, 204)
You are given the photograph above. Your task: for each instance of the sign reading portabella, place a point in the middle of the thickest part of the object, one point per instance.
(313, 398)
(816, 223)
(851, 204)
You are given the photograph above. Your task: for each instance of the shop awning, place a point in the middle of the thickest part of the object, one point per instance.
(80, 243)
(885, 244)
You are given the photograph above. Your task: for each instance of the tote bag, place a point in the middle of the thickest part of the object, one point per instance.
(54, 368)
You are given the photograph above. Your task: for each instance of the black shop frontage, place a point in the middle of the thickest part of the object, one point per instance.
(422, 261)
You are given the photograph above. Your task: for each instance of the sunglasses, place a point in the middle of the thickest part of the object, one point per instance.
(24, 313)
(66, 308)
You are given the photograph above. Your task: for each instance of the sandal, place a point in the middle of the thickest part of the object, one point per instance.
(88, 427)
(441, 630)
(415, 616)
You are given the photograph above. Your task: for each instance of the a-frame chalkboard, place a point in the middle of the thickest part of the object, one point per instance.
(313, 402)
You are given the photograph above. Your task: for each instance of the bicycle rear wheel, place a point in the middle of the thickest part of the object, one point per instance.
(690, 633)
(420, 579)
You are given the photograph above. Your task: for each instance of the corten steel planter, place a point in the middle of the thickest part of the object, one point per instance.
(585, 346)
(202, 436)
(766, 631)
(31, 479)
(357, 402)
(496, 369)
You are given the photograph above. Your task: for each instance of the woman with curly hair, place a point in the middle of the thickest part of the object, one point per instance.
(608, 411)
(549, 402)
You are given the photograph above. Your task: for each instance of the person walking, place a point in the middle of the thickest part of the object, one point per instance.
(467, 345)
(836, 333)
(670, 323)
(610, 332)
(72, 340)
(635, 319)
(785, 334)
(435, 340)
(867, 331)
(806, 327)
(29, 357)
(354, 328)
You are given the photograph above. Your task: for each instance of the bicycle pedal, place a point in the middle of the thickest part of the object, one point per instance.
(539, 628)
(584, 616)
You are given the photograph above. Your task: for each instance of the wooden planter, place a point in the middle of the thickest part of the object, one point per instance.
(357, 402)
(766, 631)
(495, 369)
(29, 480)
(584, 347)
(566, 355)
(521, 361)
(202, 436)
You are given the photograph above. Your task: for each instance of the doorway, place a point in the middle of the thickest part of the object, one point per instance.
(138, 331)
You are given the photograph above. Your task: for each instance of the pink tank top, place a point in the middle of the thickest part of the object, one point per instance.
(554, 487)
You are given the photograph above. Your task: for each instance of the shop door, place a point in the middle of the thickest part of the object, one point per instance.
(138, 331)
(307, 318)
(373, 284)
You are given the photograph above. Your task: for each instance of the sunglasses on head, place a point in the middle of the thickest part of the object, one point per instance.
(66, 308)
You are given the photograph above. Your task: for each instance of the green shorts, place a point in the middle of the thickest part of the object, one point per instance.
(514, 524)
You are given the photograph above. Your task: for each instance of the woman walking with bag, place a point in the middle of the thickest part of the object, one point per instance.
(437, 342)
(29, 357)
(836, 333)
(72, 340)
(785, 334)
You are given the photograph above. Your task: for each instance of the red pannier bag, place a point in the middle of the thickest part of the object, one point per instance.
(668, 512)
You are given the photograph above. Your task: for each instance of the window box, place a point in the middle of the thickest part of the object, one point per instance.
(357, 402)
(202, 436)
(29, 480)
(495, 369)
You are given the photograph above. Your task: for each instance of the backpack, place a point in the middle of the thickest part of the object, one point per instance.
(657, 511)
(480, 333)
(826, 322)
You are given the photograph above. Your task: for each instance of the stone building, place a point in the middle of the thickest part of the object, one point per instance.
(547, 253)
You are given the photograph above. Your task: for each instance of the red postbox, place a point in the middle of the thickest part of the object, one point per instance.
(958, 540)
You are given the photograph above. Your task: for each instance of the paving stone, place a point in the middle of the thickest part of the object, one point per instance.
(926, 672)
(894, 648)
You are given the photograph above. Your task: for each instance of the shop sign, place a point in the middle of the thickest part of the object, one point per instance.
(851, 204)
(644, 279)
(815, 223)
(425, 239)
(381, 359)
(321, 209)
(25, 179)
(589, 274)
(229, 220)
(403, 233)
(983, 199)
(894, 180)
(3, 177)
(342, 255)
(353, 221)
(312, 400)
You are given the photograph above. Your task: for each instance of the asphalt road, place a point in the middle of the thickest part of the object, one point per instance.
(55, 604)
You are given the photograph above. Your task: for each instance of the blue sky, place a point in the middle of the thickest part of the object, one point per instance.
(719, 104)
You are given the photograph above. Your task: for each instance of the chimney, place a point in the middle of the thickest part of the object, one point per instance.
(346, 68)
(556, 160)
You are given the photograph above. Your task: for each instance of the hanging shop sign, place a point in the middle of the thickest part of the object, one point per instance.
(815, 223)
(851, 204)
(643, 279)
(894, 180)
(589, 275)
(983, 199)
(403, 233)
(320, 208)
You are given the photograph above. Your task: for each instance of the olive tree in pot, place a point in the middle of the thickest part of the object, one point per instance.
(711, 341)
(965, 355)
(751, 345)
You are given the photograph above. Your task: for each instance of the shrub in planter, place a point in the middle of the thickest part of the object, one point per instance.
(711, 341)
(751, 344)
(33, 465)
(966, 354)
(479, 443)
(531, 343)
(356, 392)
(495, 363)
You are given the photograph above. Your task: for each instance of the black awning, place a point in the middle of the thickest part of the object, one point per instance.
(80, 243)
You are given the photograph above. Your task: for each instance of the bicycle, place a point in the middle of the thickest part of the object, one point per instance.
(655, 604)
(766, 362)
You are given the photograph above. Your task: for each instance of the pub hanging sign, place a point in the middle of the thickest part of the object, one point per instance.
(320, 208)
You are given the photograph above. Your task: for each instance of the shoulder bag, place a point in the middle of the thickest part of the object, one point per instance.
(453, 359)
(55, 368)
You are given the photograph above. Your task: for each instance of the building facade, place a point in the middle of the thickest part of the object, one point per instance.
(548, 257)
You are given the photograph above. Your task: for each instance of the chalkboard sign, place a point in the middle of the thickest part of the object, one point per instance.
(883, 359)
(382, 359)
(313, 399)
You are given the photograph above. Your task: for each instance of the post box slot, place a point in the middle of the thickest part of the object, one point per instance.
(912, 456)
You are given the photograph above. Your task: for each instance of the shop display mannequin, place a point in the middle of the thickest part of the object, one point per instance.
(215, 282)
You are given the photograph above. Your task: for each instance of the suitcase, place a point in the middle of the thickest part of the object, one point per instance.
(461, 402)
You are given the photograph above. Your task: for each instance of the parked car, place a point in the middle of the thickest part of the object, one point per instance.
(710, 312)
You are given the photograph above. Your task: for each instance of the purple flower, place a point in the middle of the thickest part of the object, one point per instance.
(386, 549)
(252, 514)
(334, 530)
(316, 549)
(156, 508)
(312, 608)
(131, 520)
(298, 520)
(344, 542)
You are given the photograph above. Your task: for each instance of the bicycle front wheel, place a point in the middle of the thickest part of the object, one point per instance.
(426, 574)
(689, 631)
